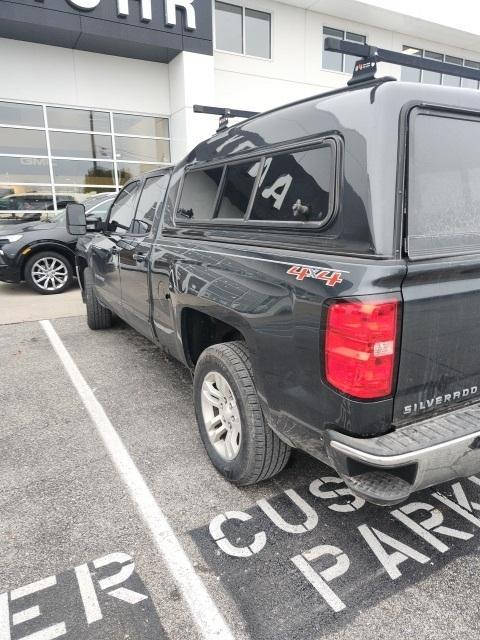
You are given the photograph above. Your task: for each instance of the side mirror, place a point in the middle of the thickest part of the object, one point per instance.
(76, 220)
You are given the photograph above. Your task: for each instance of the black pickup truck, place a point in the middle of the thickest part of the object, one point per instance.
(318, 268)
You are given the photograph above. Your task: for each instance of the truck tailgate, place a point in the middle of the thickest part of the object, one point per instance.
(439, 364)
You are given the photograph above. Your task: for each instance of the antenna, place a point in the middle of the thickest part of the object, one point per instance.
(225, 114)
(366, 66)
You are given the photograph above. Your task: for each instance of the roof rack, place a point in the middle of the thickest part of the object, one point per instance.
(366, 67)
(225, 114)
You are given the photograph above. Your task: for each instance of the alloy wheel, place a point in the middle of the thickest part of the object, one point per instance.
(221, 415)
(49, 274)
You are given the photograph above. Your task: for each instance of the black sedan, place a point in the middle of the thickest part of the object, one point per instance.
(42, 253)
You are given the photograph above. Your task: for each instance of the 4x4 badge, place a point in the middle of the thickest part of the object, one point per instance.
(331, 278)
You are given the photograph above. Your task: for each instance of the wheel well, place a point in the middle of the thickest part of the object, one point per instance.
(64, 251)
(200, 330)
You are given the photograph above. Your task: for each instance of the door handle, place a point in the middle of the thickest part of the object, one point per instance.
(139, 257)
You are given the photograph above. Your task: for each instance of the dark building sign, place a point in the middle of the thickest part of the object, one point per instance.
(145, 29)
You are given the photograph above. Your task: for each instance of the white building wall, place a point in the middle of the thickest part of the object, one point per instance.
(192, 81)
(295, 70)
(40, 73)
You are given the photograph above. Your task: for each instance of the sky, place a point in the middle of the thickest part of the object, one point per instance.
(461, 14)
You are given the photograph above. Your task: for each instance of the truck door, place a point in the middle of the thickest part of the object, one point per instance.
(439, 368)
(105, 251)
(165, 254)
(135, 254)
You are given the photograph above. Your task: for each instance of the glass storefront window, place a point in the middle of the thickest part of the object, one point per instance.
(257, 33)
(81, 172)
(78, 119)
(452, 81)
(79, 194)
(81, 145)
(243, 30)
(129, 170)
(76, 150)
(431, 77)
(25, 202)
(349, 62)
(467, 82)
(410, 74)
(24, 169)
(24, 115)
(5, 190)
(142, 149)
(332, 60)
(29, 142)
(140, 125)
(228, 27)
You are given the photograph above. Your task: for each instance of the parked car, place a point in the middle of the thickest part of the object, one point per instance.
(318, 268)
(42, 253)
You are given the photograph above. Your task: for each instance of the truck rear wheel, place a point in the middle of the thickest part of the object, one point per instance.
(241, 446)
(98, 316)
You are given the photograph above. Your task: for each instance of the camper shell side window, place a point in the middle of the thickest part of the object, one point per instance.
(295, 186)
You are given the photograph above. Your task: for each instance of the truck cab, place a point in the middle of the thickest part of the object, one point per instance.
(318, 269)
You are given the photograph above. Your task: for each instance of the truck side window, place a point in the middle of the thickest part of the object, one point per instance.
(295, 187)
(237, 190)
(123, 209)
(199, 194)
(152, 198)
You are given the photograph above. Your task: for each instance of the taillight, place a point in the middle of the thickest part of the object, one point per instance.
(360, 347)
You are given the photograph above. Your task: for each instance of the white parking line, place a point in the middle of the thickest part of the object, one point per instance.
(204, 611)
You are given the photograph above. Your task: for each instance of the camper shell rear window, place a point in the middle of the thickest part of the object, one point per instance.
(443, 184)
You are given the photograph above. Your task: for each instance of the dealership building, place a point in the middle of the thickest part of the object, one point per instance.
(94, 92)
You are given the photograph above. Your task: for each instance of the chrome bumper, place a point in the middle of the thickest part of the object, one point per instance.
(387, 469)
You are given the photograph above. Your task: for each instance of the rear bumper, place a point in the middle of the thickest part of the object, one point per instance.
(387, 469)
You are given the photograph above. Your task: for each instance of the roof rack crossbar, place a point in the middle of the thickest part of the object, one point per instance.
(224, 112)
(370, 55)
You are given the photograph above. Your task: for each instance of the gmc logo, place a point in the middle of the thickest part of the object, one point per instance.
(123, 10)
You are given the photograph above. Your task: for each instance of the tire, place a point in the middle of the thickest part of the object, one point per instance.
(261, 454)
(98, 316)
(58, 267)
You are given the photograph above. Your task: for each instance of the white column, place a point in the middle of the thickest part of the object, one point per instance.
(192, 81)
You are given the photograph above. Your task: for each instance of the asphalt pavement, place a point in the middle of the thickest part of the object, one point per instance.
(91, 550)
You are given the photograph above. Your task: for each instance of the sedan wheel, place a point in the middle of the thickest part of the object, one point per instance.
(48, 273)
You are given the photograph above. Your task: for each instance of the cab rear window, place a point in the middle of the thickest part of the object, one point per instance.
(443, 185)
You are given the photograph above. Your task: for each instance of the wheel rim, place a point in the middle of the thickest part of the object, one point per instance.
(49, 274)
(221, 415)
